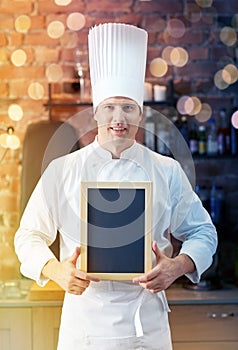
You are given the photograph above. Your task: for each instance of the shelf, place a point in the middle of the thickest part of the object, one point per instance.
(51, 103)
(78, 104)
(67, 104)
(214, 157)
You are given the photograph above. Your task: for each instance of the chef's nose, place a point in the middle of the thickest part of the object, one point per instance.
(118, 114)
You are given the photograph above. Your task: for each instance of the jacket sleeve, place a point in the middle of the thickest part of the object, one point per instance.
(191, 224)
(38, 227)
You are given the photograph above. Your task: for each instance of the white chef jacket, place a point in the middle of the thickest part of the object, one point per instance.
(112, 314)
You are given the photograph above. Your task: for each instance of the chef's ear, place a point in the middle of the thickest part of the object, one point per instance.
(141, 116)
(95, 114)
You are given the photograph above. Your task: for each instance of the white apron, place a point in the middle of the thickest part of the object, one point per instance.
(113, 316)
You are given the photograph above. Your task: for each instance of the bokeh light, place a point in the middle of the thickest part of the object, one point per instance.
(54, 72)
(13, 142)
(36, 91)
(205, 113)
(230, 74)
(228, 36)
(181, 104)
(22, 24)
(219, 81)
(63, 2)
(15, 112)
(75, 21)
(158, 67)
(204, 3)
(189, 105)
(176, 28)
(193, 13)
(9, 141)
(234, 119)
(3, 140)
(166, 53)
(55, 29)
(18, 58)
(193, 105)
(179, 57)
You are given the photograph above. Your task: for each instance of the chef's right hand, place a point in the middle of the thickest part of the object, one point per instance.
(67, 276)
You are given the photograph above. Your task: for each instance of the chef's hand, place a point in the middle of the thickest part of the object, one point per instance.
(166, 271)
(67, 276)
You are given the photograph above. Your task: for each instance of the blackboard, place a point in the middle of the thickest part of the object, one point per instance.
(116, 221)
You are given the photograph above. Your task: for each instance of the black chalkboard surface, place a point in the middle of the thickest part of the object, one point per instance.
(116, 229)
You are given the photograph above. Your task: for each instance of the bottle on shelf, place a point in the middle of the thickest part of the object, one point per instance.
(216, 204)
(212, 141)
(223, 136)
(193, 139)
(202, 140)
(184, 128)
(78, 84)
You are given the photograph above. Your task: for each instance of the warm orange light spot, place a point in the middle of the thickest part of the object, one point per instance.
(205, 113)
(18, 58)
(158, 67)
(3, 140)
(63, 2)
(204, 3)
(181, 104)
(9, 141)
(36, 91)
(230, 74)
(15, 112)
(219, 81)
(75, 21)
(22, 24)
(234, 119)
(166, 54)
(175, 28)
(54, 72)
(55, 29)
(228, 36)
(193, 105)
(179, 57)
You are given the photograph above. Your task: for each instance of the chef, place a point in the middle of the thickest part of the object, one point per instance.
(108, 315)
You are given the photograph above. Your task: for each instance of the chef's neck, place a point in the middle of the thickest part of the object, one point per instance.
(116, 147)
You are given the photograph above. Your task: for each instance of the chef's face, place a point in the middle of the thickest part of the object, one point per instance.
(118, 119)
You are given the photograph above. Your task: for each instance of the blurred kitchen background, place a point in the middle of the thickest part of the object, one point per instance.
(191, 77)
(191, 89)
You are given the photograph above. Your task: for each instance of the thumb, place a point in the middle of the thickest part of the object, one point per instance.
(74, 257)
(156, 250)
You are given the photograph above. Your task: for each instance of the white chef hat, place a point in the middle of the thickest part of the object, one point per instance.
(117, 60)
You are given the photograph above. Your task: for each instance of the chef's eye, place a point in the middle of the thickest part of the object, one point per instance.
(129, 108)
(108, 107)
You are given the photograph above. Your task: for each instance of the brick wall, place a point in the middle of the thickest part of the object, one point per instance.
(207, 54)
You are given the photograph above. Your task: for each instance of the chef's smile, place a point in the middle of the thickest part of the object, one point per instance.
(118, 130)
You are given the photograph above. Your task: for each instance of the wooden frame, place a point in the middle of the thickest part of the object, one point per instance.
(116, 229)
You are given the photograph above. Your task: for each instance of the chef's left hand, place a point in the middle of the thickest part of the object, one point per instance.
(166, 271)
